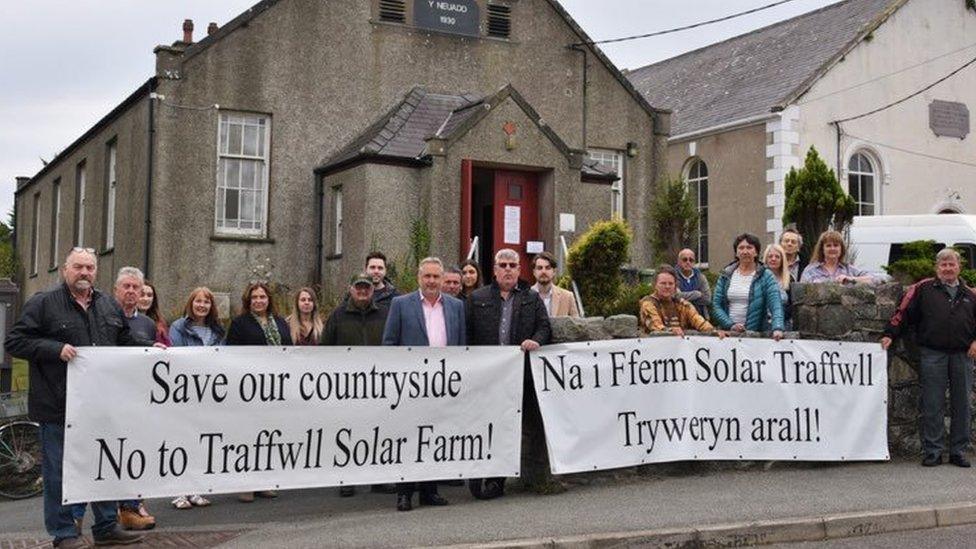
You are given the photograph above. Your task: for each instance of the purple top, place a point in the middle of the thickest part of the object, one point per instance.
(816, 272)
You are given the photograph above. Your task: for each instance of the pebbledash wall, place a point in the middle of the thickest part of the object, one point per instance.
(829, 312)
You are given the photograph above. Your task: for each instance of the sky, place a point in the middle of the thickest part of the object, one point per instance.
(67, 63)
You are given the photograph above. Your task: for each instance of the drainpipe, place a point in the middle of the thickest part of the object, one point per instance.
(582, 49)
(149, 183)
(840, 133)
(320, 219)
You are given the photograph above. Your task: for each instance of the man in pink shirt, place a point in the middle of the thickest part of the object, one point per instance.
(425, 318)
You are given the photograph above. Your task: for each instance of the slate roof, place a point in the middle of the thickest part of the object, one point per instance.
(402, 133)
(755, 73)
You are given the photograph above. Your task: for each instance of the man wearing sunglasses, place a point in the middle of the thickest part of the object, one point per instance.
(53, 324)
(692, 284)
(509, 312)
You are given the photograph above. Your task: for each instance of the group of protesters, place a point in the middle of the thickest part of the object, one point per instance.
(454, 305)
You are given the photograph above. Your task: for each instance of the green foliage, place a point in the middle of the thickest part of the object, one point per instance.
(20, 378)
(594, 263)
(8, 260)
(628, 299)
(918, 262)
(815, 200)
(419, 240)
(971, 5)
(674, 220)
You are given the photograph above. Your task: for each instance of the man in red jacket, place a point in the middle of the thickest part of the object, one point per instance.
(943, 312)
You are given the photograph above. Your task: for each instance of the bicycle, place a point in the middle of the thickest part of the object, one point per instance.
(20, 450)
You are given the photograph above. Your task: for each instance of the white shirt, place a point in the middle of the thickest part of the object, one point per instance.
(738, 296)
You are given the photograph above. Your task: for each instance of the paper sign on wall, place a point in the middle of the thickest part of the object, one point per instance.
(513, 225)
(535, 247)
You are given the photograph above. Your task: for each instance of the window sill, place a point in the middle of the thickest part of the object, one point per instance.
(106, 251)
(241, 238)
(333, 257)
(32, 275)
(52, 270)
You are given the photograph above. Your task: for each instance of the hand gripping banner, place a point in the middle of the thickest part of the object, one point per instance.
(620, 403)
(201, 420)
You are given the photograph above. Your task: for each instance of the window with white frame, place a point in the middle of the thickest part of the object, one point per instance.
(861, 179)
(337, 217)
(35, 255)
(242, 174)
(697, 181)
(55, 222)
(80, 177)
(615, 161)
(111, 156)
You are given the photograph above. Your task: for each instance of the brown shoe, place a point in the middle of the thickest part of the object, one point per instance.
(118, 536)
(71, 543)
(246, 497)
(130, 519)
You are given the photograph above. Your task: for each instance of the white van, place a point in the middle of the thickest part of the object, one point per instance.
(876, 240)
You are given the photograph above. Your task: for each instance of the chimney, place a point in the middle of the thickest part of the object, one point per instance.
(21, 181)
(211, 28)
(188, 31)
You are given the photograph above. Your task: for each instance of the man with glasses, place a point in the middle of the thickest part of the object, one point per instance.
(692, 284)
(53, 324)
(509, 312)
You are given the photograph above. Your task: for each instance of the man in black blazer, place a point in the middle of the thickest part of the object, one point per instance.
(425, 318)
(509, 312)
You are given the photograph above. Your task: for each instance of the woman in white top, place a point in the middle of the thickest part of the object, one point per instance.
(747, 296)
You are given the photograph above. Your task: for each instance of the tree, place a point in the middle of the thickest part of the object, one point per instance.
(815, 200)
(594, 263)
(674, 220)
(8, 260)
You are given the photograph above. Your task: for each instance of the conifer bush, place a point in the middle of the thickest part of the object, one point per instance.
(594, 263)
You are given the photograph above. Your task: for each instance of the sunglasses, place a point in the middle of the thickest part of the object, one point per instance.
(507, 265)
(80, 249)
(686, 259)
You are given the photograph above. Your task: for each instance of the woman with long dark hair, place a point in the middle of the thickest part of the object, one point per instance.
(149, 305)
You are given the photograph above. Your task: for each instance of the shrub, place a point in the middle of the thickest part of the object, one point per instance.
(628, 299)
(917, 262)
(674, 218)
(815, 201)
(594, 263)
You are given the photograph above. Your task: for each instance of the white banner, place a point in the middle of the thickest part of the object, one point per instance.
(200, 420)
(620, 403)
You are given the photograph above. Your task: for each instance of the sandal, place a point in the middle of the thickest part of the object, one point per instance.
(182, 503)
(198, 500)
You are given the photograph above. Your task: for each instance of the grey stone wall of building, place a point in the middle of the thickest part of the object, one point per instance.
(736, 185)
(821, 311)
(129, 132)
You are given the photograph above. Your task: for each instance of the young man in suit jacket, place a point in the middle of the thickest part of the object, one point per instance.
(425, 318)
(559, 302)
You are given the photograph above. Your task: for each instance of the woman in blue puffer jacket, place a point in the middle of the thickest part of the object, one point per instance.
(747, 297)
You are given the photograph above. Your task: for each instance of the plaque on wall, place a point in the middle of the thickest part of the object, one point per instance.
(949, 119)
(452, 16)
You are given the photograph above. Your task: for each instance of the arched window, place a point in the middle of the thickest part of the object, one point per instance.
(861, 184)
(698, 189)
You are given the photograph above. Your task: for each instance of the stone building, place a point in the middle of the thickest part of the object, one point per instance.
(747, 109)
(303, 134)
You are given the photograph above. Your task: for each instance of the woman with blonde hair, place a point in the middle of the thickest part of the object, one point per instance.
(198, 327)
(775, 260)
(829, 262)
(305, 321)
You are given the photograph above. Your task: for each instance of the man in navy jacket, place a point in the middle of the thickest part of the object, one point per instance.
(425, 318)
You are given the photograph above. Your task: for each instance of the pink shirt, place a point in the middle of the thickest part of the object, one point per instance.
(434, 321)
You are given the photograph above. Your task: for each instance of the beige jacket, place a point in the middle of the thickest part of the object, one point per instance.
(562, 303)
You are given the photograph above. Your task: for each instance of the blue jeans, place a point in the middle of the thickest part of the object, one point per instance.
(58, 518)
(936, 370)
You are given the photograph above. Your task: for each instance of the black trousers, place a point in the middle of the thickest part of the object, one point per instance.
(408, 488)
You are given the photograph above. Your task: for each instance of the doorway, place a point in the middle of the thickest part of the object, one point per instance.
(501, 208)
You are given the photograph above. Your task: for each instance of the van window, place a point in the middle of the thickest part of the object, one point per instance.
(968, 252)
(897, 250)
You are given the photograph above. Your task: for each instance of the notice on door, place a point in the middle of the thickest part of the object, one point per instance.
(513, 225)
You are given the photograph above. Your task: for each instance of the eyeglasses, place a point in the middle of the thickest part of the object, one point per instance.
(77, 249)
(686, 259)
(507, 265)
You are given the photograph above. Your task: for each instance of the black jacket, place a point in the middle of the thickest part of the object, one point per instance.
(245, 330)
(51, 319)
(483, 312)
(941, 322)
(348, 325)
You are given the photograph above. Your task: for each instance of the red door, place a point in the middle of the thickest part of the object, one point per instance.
(516, 213)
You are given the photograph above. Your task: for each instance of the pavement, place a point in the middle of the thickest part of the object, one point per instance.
(674, 505)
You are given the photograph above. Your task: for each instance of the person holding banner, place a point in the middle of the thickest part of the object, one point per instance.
(258, 324)
(52, 325)
(829, 262)
(426, 318)
(746, 295)
(775, 260)
(509, 312)
(664, 311)
(943, 312)
(198, 327)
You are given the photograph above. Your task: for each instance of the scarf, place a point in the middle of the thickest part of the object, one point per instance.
(271, 335)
